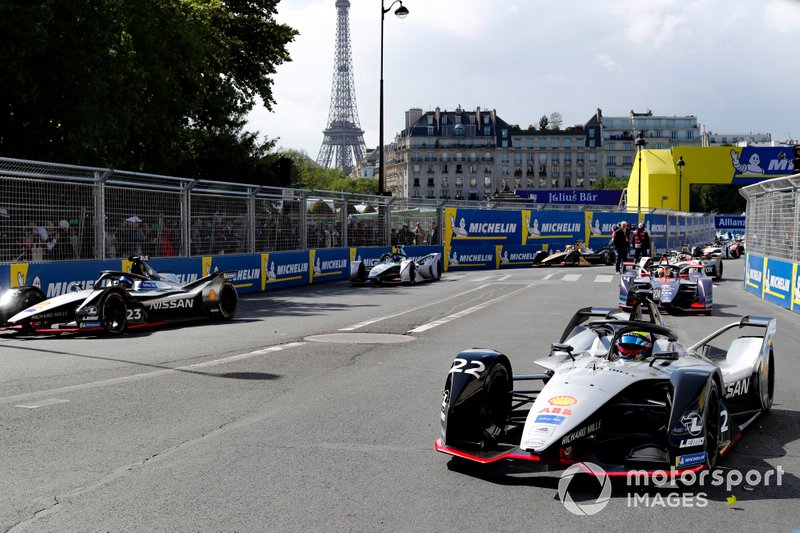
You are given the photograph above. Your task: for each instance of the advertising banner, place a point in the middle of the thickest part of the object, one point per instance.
(656, 226)
(56, 279)
(515, 256)
(368, 254)
(244, 271)
(795, 289)
(590, 197)
(475, 257)
(418, 252)
(468, 227)
(5, 278)
(754, 274)
(329, 264)
(598, 228)
(777, 283)
(556, 228)
(284, 269)
(732, 223)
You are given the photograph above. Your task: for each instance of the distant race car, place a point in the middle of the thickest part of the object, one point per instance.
(396, 268)
(118, 301)
(619, 390)
(580, 255)
(676, 285)
(710, 255)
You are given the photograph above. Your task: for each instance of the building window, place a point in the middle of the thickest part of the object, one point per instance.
(673, 135)
(611, 146)
(627, 147)
(459, 169)
(543, 143)
(517, 143)
(457, 119)
(487, 131)
(530, 143)
(487, 182)
(690, 135)
(473, 182)
(611, 160)
(627, 160)
(612, 173)
(568, 182)
(554, 144)
(430, 130)
(459, 181)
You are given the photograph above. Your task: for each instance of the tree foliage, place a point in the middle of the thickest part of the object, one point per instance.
(714, 198)
(543, 122)
(152, 85)
(610, 184)
(556, 121)
(307, 174)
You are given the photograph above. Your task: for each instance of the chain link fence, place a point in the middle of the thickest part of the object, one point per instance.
(55, 212)
(773, 218)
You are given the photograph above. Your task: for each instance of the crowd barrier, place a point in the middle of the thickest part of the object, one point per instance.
(773, 241)
(474, 239)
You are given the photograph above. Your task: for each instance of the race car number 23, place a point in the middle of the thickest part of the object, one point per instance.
(134, 315)
(460, 364)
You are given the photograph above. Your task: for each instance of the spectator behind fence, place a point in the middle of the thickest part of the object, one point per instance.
(433, 234)
(130, 237)
(419, 234)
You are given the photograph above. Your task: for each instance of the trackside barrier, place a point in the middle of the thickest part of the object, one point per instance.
(773, 241)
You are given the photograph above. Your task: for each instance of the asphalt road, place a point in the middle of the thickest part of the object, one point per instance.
(256, 425)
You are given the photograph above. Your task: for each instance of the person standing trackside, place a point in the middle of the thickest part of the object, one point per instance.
(641, 243)
(620, 241)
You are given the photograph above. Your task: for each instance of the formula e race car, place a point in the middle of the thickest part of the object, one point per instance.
(397, 267)
(580, 255)
(118, 301)
(710, 255)
(676, 285)
(619, 390)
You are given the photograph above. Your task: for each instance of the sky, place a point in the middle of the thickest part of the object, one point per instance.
(734, 64)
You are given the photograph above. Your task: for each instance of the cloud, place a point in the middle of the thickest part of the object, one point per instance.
(608, 63)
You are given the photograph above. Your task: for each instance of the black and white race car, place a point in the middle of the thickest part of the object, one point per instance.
(618, 390)
(580, 255)
(397, 267)
(118, 301)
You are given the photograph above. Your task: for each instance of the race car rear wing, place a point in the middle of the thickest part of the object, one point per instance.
(585, 313)
(769, 325)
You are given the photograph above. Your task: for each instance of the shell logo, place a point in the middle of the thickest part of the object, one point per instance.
(212, 295)
(562, 401)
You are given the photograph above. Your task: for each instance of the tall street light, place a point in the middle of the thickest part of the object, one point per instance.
(401, 12)
(680, 164)
(640, 144)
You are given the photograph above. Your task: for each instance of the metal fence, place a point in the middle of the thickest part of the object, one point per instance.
(773, 218)
(55, 212)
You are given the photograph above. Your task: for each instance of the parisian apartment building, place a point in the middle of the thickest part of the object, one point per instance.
(472, 154)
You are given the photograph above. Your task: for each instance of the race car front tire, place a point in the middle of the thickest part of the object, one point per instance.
(114, 313)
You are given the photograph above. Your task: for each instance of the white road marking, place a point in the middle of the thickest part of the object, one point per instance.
(156, 373)
(379, 319)
(548, 276)
(484, 278)
(465, 312)
(571, 277)
(503, 278)
(42, 403)
(604, 278)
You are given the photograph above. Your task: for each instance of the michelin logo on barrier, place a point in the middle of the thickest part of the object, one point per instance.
(461, 229)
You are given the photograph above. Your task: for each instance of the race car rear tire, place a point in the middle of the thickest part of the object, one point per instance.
(412, 273)
(767, 395)
(228, 300)
(711, 424)
(115, 313)
(719, 272)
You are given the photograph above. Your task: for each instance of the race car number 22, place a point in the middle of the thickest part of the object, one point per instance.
(459, 364)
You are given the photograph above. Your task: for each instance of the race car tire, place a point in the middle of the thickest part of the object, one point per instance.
(114, 312)
(495, 406)
(720, 272)
(437, 271)
(608, 257)
(412, 273)
(711, 423)
(228, 300)
(766, 389)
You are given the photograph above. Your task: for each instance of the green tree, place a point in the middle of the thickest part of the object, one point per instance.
(148, 85)
(543, 122)
(715, 198)
(610, 184)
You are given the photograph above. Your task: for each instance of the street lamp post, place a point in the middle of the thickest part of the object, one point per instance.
(640, 144)
(680, 164)
(401, 12)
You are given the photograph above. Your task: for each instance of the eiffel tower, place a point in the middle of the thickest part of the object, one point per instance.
(343, 145)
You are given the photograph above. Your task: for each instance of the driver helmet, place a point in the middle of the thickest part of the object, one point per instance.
(634, 345)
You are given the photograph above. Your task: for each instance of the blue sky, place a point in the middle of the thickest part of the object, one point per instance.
(732, 63)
